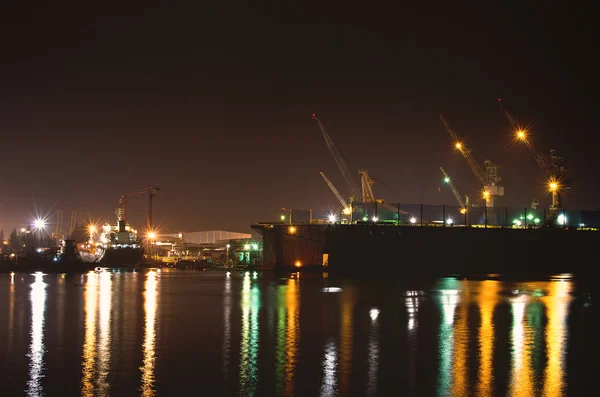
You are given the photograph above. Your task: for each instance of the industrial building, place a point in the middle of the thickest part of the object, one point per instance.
(208, 236)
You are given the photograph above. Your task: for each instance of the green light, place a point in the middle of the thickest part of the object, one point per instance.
(255, 247)
(537, 220)
(365, 219)
(521, 217)
(283, 217)
(447, 180)
(530, 216)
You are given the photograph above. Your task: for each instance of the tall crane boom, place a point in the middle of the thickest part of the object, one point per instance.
(479, 173)
(335, 192)
(521, 134)
(151, 192)
(457, 196)
(339, 160)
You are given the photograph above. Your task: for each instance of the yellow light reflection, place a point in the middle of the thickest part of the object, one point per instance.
(521, 337)
(89, 342)
(249, 343)
(280, 356)
(227, 327)
(292, 340)
(36, 348)
(346, 340)
(488, 299)
(460, 353)
(150, 305)
(557, 306)
(104, 339)
(11, 314)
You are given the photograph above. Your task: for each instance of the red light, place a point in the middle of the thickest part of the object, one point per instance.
(499, 99)
(314, 115)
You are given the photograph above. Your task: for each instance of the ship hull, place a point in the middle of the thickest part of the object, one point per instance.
(123, 258)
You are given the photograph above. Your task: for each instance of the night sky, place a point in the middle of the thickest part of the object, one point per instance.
(213, 104)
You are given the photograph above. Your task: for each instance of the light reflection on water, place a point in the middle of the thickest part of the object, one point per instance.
(36, 348)
(346, 348)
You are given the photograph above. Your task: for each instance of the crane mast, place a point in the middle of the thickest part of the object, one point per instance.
(345, 207)
(457, 196)
(553, 167)
(150, 191)
(339, 160)
(488, 178)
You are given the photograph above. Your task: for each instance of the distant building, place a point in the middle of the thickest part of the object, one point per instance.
(209, 236)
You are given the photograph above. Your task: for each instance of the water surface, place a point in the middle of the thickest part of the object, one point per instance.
(189, 333)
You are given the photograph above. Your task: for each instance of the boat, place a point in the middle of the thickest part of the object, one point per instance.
(120, 246)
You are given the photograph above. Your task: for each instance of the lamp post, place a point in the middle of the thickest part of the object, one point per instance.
(227, 260)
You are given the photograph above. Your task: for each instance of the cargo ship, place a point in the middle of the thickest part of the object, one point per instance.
(119, 246)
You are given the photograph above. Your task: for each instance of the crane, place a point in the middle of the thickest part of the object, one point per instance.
(463, 203)
(150, 191)
(488, 178)
(339, 160)
(553, 167)
(346, 209)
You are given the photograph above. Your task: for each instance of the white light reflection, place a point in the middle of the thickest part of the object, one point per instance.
(150, 304)
(104, 339)
(330, 363)
(227, 326)
(373, 352)
(36, 350)
(449, 300)
(412, 308)
(521, 377)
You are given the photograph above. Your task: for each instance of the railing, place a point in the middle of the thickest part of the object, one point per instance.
(451, 215)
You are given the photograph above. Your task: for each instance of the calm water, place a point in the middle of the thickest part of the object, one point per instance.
(194, 333)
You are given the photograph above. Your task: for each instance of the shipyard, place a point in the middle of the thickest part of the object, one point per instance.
(289, 199)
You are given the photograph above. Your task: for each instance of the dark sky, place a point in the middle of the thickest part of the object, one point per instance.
(213, 104)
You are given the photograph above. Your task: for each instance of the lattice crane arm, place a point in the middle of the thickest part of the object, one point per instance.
(151, 191)
(454, 191)
(477, 170)
(339, 160)
(335, 192)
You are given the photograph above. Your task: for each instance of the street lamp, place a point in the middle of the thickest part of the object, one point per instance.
(227, 260)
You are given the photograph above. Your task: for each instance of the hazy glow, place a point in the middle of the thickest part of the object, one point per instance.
(36, 348)
(150, 305)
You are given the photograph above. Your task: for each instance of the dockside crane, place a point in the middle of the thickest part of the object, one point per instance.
(552, 167)
(346, 209)
(150, 191)
(489, 178)
(340, 162)
(464, 204)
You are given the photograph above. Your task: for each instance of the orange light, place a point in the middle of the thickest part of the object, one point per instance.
(291, 229)
(486, 194)
(553, 185)
(458, 145)
(521, 135)
(298, 263)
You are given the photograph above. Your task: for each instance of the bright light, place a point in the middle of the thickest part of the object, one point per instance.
(458, 145)
(463, 210)
(347, 211)
(365, 218)
(151, 235)
(521, 135)
(255, 247)
(228, 246)
(374, 313)
(332, 218)
(282, 217)
(581, 225)
(92, 229)
(562, 219)
(375, 219)
(413, 220)
(517, 222)
(228, 274)
(180, 235)
(530, 216)
(553, 185)
(486, 194)
(246, 247)
(39, 223)
(298, 264)
(447, 180)
(449, 221)
(536, 220)
(291, 230)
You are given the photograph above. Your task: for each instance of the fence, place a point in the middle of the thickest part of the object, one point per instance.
(449, 215)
